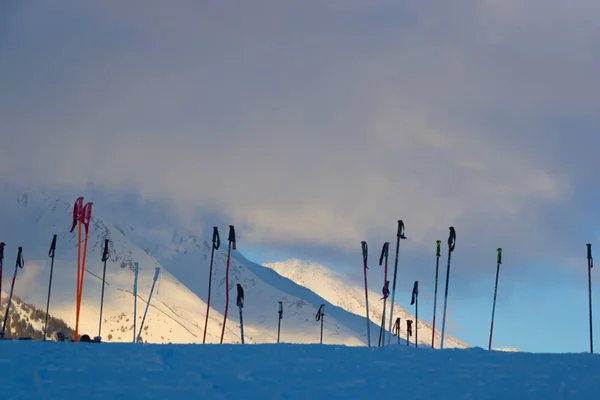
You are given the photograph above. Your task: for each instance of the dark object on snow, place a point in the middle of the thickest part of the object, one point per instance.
(85, 338)
(61, 336)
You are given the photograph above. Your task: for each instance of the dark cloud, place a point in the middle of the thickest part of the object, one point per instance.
(316, 125)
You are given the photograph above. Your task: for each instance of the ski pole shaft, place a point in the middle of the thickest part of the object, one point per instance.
(216, 243)
(51, 255)
(495, 292)
(156, 272)
(399, 235)
(2, 244)
(590, 266)
(105, 256)
(437, 266)
(417, 322)
(365, 253)
(231, 244)
(18, 264)
(451, 245)
(384, 256)
(241, 325)
(135, 278)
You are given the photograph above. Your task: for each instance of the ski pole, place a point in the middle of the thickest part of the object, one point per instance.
(51, 255)
(408, 331)
(85, 218)
(319, 317)
(499, 261)
(77, 210)
(365, 254)
(397, 329)
(2, 244)
(385, 291)
(590, 266)
(280, 318)
(19, 264)
(240, 304)
(231, 244)
(399, 235)
(216, 243)
(105, 256)
(135, 278)
(451, 245)
(156, 272)
(437, 265)
(415, 301)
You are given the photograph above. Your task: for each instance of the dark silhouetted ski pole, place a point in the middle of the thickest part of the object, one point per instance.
(19, 264)
(319, 317)
(385, 291)
(2, 244)
(415, 301)
(279, 321)
(105, 257)
(451, 245)
(397, 329)
(590, 266)
(399, 235)
(437, 266)
(216, 243)
(499, 261)
(156, 272)
(51, 255)
(408, 331)
(365, 254)
(231, 245)
(240, 304)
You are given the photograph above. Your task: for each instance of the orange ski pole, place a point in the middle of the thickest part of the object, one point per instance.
(77, 208)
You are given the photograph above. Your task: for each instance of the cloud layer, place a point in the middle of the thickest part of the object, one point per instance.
(317, 123)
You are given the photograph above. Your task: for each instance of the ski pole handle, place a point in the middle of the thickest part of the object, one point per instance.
(365, 252)
(52, 247)
(452, 239)
(400, 233)
(280, 310)
(105, 252)
(216, 240)
(499, 255)
(232, 235)
(20, 260)
(589, 255)
(437, 251)
(384, 252)
(2, 244)
(156, 272)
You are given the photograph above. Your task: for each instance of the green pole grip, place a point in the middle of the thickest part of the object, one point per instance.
(437, 252)
(499, 255)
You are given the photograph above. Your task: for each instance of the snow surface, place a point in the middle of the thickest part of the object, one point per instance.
(54, 370)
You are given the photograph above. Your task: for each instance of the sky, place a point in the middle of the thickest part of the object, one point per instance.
(313, 125)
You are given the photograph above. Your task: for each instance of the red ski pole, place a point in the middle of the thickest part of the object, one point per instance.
(231, 244)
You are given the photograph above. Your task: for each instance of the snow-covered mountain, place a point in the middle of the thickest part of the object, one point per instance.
(178, 307)
(350, 295)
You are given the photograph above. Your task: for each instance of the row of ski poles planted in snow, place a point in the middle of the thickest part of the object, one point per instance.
(415, 293)
(216, 243)
(82, 216)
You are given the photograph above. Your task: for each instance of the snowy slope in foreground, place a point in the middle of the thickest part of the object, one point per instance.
(339, 290)
(37, 370)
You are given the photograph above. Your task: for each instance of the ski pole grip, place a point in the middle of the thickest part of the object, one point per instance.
(452, 239)
(216, 240)
(384, 252)
(232, 235)
(400, 233)
(52, 247)
(2, 244)
(365, 251)
(499, 255)
(20, 257)
(156, 272)
(105, 252)
(589, 249)
(437, 251)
